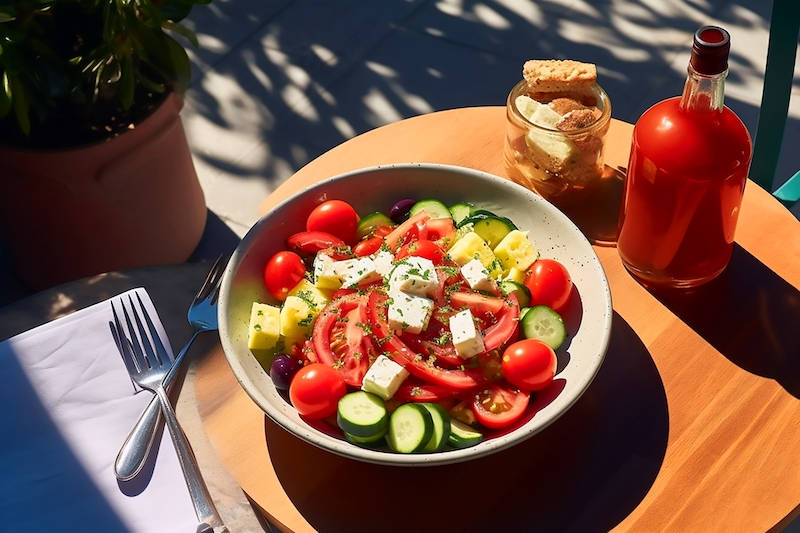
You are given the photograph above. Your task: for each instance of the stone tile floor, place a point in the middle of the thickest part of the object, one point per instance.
(278, 83)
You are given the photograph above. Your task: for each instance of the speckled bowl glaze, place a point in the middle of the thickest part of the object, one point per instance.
(376, 189)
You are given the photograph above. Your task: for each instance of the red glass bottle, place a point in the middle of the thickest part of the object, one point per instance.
(686, 175)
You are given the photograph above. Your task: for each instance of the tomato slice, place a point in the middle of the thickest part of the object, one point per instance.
(411, 229)
(498, 405)
(419, 391)
(506, 328)
(422, 248)
(416, 364)
(477, 303)
(441, 230)
(340, 340)
(311, 242)
(368, 246)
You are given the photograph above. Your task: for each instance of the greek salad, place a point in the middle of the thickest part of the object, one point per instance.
(423, 328)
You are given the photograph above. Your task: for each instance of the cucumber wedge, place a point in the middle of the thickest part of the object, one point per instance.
(441, 427)
(523, 293)
(462, 435)
(368, 224)
(410, 428)
(491, 229)
(460, 212)
(362, 414)
(541, 322)
(434, 209)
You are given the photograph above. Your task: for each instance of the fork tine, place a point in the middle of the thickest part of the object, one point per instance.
(123, 345)
(161, 352)
(140, 358)
(210, 286)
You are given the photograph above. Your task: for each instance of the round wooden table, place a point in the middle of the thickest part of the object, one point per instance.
(692, 424)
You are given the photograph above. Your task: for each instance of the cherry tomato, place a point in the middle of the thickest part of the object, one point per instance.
(422, 248)
(496, 406)
(368, 246)
(550, 284)
(316, 390)
(529, 364)
(284, 270)
(335, 217)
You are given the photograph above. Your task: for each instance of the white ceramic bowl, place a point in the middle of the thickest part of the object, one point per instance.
(377, 189)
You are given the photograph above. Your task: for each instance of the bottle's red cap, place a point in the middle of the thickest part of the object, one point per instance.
(710, 50)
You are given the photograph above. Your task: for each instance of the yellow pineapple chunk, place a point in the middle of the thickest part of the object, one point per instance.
(296, 319)
(516, 275)
(265, 328)
(316, 297)
(470, 246)
(516, 251)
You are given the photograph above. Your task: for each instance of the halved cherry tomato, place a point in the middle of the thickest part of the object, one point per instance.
(311, 242)
(550, 284)
(340, 337)
(529, 364)
(316, 389)
(283, 272)
(412, 229)
(368, 246)
(497, 405)
(335, 217)
(422, 248)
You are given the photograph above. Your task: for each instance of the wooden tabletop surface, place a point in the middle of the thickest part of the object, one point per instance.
(692, 424)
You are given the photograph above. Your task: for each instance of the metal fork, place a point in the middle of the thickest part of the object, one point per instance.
(202, 316)
(149, 369)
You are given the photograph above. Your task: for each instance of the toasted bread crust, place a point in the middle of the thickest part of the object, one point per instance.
(554, 75)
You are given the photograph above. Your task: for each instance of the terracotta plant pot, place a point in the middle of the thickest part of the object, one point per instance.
(127, 202)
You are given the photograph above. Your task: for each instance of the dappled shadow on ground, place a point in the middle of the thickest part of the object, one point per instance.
(309, 75)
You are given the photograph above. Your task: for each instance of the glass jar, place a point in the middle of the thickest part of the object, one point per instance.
(558, 164)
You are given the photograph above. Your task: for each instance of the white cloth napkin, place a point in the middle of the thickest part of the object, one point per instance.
(66, 405)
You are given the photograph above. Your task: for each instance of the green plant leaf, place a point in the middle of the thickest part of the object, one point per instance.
(21, 104)
(182, 30)
(5, 95)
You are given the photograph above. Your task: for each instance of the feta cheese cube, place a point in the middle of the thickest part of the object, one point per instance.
(409, 312)
(384, 261)
(357, 272)
(477, 276)
(414, 275)
(384, 377)
(325, 274)
(467, 340)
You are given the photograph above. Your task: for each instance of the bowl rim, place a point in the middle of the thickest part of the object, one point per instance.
(345, 449)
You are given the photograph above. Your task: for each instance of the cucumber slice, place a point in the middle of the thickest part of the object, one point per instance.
(362, 414)
(368, 224)
(490, 228)
(462, 435)
(434, 209)
(410, 428)
(460, 211)
(441, 427)
(541, 322)
(374, 441)
(523, 293)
